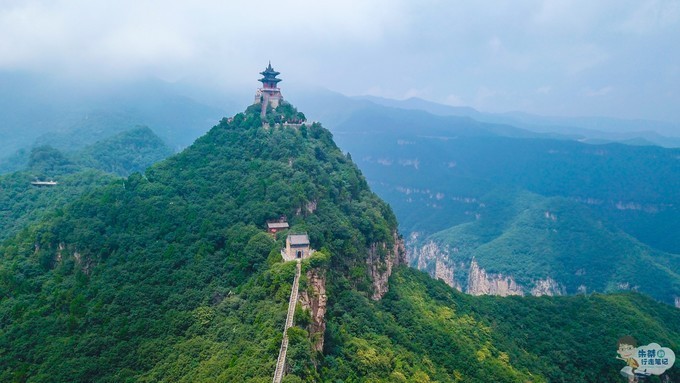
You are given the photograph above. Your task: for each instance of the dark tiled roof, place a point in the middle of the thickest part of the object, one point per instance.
(298, 239)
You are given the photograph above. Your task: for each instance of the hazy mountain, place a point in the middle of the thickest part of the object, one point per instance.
(38, 110)
(448, 174)
(125, 153)
(585, 129)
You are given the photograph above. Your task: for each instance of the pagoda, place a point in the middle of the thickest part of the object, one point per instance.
(269, 94)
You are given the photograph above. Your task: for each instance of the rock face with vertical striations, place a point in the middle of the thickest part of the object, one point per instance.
(547, 286)
(444, 272)
(482, 283)
(473, 279)
(314, 300)
(382, 258)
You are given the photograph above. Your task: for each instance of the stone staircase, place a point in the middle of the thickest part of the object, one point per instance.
(292, 302)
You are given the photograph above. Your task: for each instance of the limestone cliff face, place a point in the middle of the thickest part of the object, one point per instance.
(482, 283)
(437, 262)
(549, 287)
(381, 260)
(445, 272)
(426, 254)
(469, 277)
(313, 299)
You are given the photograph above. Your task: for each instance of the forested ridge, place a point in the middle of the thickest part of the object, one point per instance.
(527, 236)
(76, 173)
(169, 276)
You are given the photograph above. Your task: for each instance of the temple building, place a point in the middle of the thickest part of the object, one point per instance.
(274, 227)
(269, 94)
(297, 247)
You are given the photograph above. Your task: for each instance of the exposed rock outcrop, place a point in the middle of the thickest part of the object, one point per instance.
(468, 276)
(548, 287)
(445, 273)
(426, 254)
(677, 302)
(480, 282)
(308, 208)
(314, 300)
(429, 254)
(85, 263)
(381, 260)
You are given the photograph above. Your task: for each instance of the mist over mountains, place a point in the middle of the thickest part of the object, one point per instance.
(38, 110)
(467, 193)
(440, 167)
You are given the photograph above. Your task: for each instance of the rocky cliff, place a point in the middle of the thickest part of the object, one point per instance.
(548, 286)
(381, 259)
(482, 283)
(470, 277)
(314, 300)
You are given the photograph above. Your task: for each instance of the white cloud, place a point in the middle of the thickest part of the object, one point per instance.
(498, 56)
(141, 34)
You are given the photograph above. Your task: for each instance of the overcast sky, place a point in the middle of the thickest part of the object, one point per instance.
(594, 57)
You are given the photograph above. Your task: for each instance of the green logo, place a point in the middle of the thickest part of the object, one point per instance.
(661, 353)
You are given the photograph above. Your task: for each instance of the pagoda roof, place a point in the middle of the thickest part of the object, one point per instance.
(269, 74)
(270, 71)
(269, 79)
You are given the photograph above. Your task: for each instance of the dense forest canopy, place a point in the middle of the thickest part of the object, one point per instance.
(169, 276)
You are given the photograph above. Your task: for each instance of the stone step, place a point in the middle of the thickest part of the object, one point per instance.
(292, 302)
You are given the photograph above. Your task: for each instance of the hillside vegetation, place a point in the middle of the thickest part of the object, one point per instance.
(108, 285)
(530, 237)
(76, 173)
(169, 276)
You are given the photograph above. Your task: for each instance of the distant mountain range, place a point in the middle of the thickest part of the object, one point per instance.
(37, 111)
(445, 170)
(491, 207)
(595, 130)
